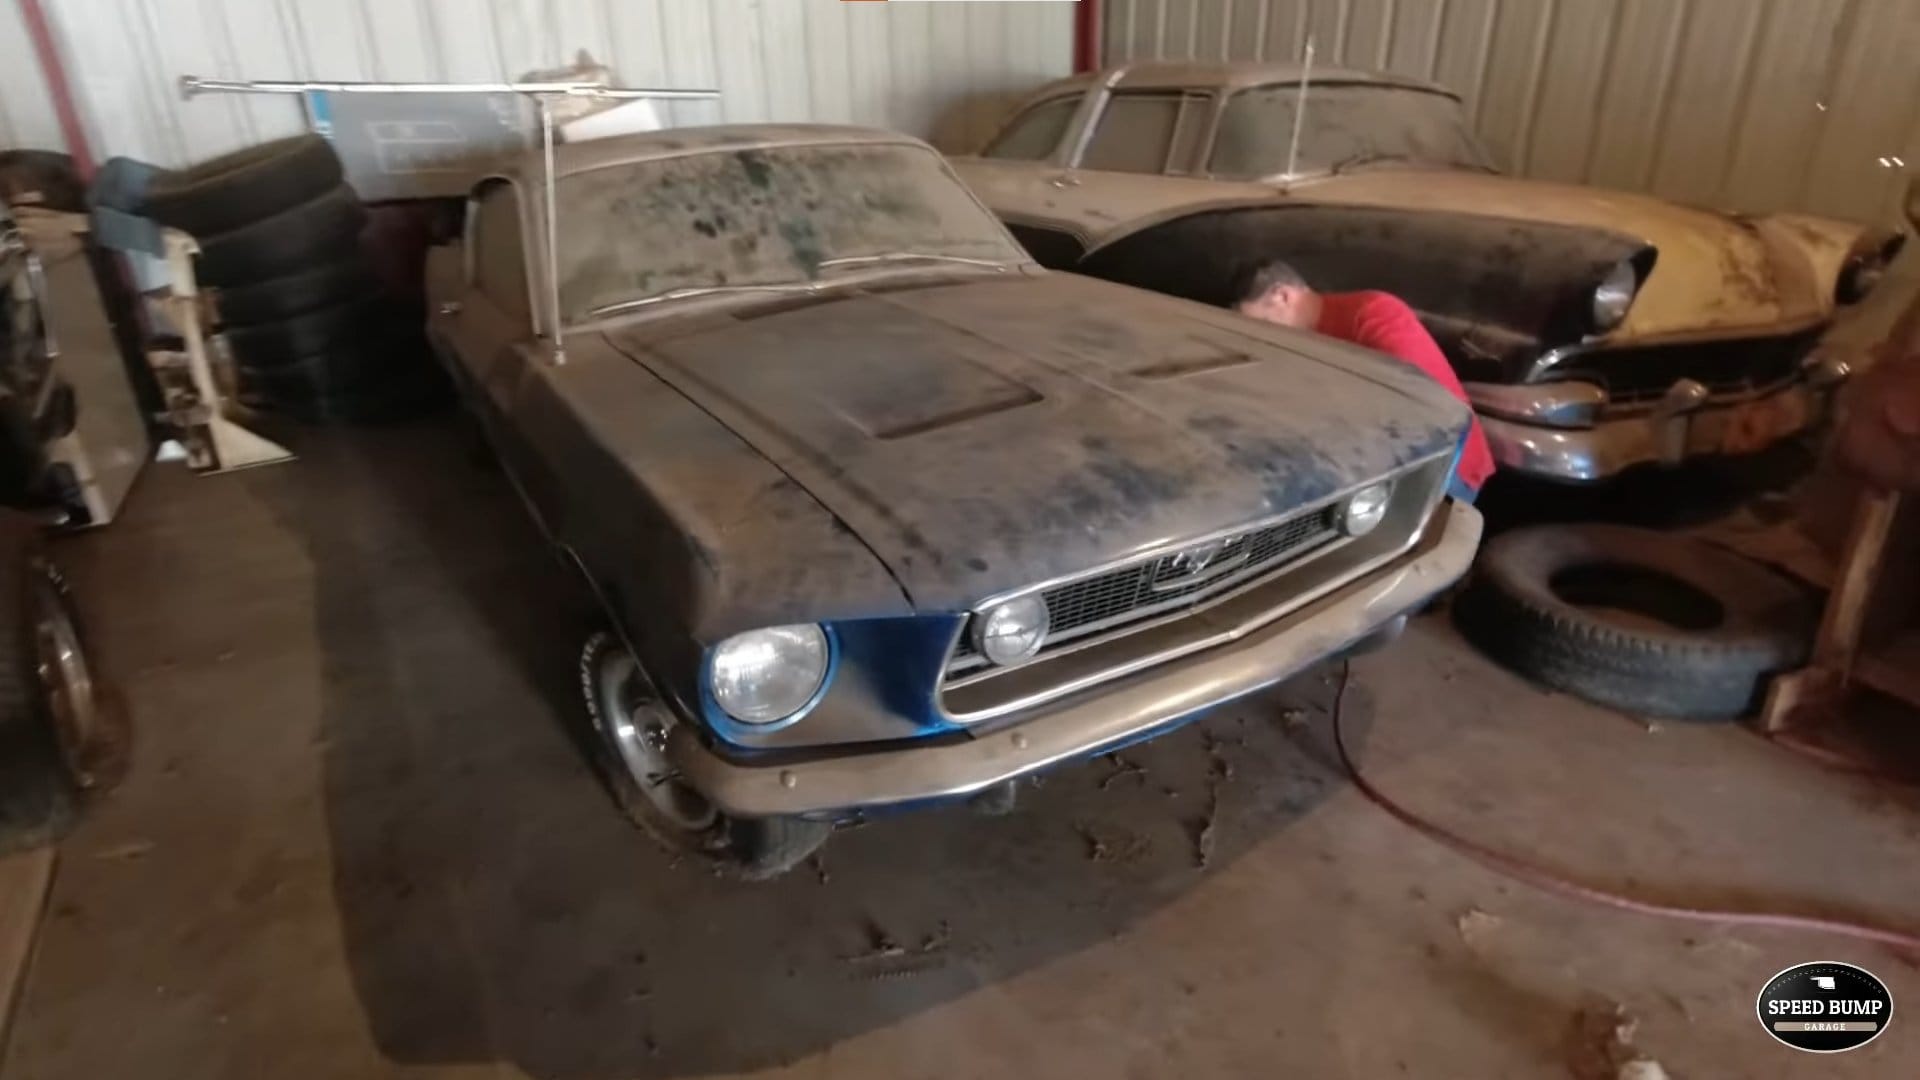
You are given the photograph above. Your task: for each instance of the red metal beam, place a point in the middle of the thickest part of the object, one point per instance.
(58, 88)
(1086, 35)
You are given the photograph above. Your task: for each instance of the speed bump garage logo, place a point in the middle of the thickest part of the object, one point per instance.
(1824, 1007)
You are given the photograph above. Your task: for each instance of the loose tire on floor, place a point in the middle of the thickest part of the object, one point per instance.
(324, 286)
(372, 323)
(323, 229)
(753, 849)
(1646, 622)
(227, 192)
(407, 396)
(58, 735)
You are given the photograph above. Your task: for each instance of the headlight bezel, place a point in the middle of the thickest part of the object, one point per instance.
(1612, 298)
(1356, 521)
(750, 723)
(1859, 277)
(980, 624)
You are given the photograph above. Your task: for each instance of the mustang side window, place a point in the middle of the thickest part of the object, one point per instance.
(499, 260)
(1147, 133)
(1035, 134)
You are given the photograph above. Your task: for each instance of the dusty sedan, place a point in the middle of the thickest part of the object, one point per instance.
(1595, 330)
(879, 511)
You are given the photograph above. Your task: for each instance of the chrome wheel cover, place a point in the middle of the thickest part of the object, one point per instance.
(66, 680)
(635, 724)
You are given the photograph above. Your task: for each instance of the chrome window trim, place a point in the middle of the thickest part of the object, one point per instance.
(1423, 518)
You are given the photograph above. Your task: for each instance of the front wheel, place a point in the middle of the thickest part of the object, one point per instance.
(59, 737)
(632, 724)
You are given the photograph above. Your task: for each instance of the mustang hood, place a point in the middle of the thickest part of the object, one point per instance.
(1715, 272)
(982, 437)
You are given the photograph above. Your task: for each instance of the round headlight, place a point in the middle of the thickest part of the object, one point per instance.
(1858, 279)
(1612, 297)
(1011, 632)
(1364, 510)
(765, 676)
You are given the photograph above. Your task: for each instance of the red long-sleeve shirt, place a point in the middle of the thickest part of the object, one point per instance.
(1384, 323)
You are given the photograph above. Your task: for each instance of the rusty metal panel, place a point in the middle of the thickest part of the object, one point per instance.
(938, 69)
(1754, 104)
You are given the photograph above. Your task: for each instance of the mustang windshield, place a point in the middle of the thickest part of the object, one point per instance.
(759, 219)
(1347, 126)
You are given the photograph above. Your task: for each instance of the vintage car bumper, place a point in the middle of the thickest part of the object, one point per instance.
(1108, 716)
(1669, 433)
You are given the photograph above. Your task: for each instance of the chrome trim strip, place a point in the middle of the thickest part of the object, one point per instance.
(1149, 621)
(1168, 547)
(1421, 517)
(1142, 707)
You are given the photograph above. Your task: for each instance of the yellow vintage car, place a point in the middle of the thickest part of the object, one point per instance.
(1595, 330)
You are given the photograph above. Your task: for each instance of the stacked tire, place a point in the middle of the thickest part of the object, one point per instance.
(313, 333)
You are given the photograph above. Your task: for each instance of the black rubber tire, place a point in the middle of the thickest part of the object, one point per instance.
(248, 185)
(365, 323)
(323, 229)
(39, 795)
(375, 363)
(1746, 621)
(327, 285)
(750, 849)
(366, 408)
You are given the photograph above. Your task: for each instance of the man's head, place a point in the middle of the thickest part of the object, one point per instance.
(1275, 292)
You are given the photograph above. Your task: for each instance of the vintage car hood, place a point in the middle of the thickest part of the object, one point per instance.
(981, 437)
(1716, 273)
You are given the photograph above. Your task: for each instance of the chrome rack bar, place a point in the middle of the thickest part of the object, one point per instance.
(553, 228)
(194, 84)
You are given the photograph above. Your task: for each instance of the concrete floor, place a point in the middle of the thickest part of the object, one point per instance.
(359, 840)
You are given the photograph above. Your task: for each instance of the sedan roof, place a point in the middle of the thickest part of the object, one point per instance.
(1228, 75)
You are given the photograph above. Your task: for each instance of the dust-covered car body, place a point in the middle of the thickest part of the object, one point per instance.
(1595, 330)
(807, 381)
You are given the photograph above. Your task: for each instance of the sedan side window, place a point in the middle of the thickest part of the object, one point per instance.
(1147, 133)
(499, 258)
(1035, 134)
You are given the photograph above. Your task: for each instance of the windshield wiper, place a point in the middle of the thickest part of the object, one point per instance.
(899, 256)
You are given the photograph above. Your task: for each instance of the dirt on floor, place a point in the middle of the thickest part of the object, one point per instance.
(360, 839)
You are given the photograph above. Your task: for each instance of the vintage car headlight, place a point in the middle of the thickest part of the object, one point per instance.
(1364, 509)
(1858, 279)
(1613, 296)
(765, 676)
(1011, 632)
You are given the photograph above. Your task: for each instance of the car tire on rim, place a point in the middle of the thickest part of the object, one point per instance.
(631, 724)
(59, 735)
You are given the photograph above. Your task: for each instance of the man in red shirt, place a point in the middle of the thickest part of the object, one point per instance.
(1275, 292)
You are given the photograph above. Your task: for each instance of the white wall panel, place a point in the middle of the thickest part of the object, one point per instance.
(1753, 104)
(941, 70)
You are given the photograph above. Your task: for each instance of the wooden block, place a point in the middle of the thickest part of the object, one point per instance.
(24, 880)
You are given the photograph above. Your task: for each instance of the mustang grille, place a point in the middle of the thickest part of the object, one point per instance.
(1637, 376)
(1085, 606)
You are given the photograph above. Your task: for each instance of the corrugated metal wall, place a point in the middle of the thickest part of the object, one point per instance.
(1751, 104)
(943, 70)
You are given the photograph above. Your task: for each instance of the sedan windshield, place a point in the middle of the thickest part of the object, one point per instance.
(762, 219)
(1346, 127)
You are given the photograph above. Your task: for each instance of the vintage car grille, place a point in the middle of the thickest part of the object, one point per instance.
(1638, 376)
(1130, 594)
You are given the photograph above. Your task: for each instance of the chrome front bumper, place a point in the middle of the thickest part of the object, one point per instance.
(1672, 431)
(1106, 716)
